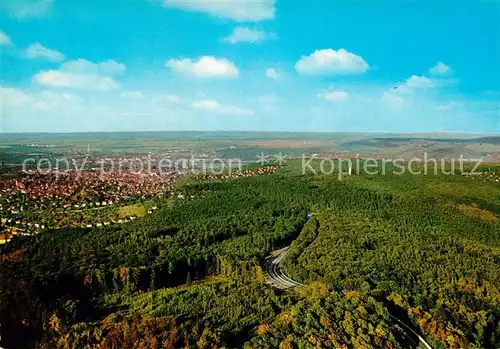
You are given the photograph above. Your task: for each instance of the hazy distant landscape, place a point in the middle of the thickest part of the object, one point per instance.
(246, 145)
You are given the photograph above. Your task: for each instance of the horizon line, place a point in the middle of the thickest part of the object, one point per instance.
(257, 131)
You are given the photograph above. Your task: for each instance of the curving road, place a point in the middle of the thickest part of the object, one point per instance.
(276, 277)
(274, 271)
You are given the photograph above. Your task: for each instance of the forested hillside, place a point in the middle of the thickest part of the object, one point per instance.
(189, 275)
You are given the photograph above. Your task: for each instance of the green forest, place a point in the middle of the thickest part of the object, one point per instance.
(424, 248)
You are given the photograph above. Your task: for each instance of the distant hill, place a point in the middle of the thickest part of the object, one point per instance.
(488, 139)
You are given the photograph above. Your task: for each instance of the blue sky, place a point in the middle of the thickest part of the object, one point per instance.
(395, 66)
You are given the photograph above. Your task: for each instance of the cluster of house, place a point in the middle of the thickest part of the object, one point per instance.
(242, 174)
(339, 155)
(486, 175)
(8, 231)
(5, 237)
(9, 222)
(493, 157)
(117, 221)
(181, 196)
(75, 189)
(13, 227)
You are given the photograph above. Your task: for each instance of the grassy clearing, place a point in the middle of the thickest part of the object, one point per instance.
(476, 212)
(137, 210)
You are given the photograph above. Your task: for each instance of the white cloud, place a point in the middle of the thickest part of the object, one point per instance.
(82, 74)
(218, 108)
(272, 73)
(38, 51)
(393, 101)
(417, 82)
(406, 94)
(331, 62)
(441, 69)
(47, 100)
(449, 105)
(334, 96)
(21, 9)
(131, 95)
(44, 100)
(247, 34)
(60, 79)
(82, 66)
(11, 97)
(4, 39)
(205, 67)
(238, 10)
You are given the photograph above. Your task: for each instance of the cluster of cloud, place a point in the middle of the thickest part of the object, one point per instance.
(51, 86)
(82, 74)
(237, 10)
(113, 110)
(76, 74)
(321, 62)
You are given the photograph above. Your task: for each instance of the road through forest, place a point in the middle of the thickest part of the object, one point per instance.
(276, 277)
